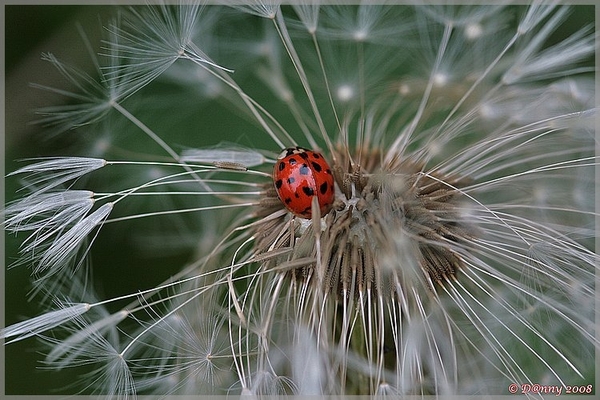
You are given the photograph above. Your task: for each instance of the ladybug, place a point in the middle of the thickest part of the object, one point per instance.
(299, 175)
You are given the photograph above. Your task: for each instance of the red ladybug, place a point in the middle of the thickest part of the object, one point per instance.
(300, 174)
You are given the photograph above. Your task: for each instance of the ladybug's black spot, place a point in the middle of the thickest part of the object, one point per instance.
(304, 170)
(316, 155)
(323, 188)
(296, 195)
(328, 171)
(288, 200)
(281, 166)
(316, 166)
(290, 180)
(308, 191)
(293, 161)
(304, 155)
(278, 183)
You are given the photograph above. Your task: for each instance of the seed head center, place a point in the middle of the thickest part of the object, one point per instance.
(389, 226)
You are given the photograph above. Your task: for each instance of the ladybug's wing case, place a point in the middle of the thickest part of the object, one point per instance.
(295, 184)
(324, 185)
(299, 175)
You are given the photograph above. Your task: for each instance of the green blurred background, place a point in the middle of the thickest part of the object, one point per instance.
(29, 31)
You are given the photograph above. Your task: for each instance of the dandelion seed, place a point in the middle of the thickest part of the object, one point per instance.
(111, 372)
(93, 99)
(168, 29)
(49, 174)
(35, 326)
(63, 249)
(261, 8)
(308, 14)
(47, 211)
(245, 157)
(65, 351)
(568, 52)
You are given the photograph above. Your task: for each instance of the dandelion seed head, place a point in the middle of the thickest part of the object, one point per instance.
(265, 9)
(395, 201)
(385, 389)
(308, 14)
(434, 148)
(487, 111)
(440, 79)
(473, 31)
(404, 89)
(345, 93)
(360, 35)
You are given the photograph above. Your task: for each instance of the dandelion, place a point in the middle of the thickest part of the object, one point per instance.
(453, 255)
